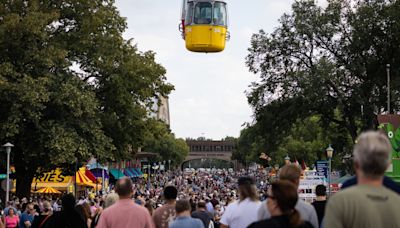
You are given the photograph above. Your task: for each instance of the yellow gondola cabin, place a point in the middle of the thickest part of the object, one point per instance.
(204, 25)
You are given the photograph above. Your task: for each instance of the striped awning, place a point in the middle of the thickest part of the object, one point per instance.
(48, 190)
(100, 173)
(117, 173)
(82, 179)
(90, 175)
(130, 172)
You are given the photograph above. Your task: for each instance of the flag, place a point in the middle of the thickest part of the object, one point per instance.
(297, 162)
(303, 165)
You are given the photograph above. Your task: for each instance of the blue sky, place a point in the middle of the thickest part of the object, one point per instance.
(209, 98)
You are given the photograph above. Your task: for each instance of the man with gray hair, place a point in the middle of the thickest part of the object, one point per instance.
(368, 204)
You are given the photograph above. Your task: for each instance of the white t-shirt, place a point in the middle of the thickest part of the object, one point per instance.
(241, 214)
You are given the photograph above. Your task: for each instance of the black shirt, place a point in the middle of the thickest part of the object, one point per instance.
(204, 216)
(65, 219)
(320, 209)
(277, 222)
(38, 220)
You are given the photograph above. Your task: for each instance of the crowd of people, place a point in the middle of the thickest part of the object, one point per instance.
(224, 199)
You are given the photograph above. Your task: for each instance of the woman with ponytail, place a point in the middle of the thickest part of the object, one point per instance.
(282, 198)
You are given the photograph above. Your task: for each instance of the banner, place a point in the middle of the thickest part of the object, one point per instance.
(54, 176)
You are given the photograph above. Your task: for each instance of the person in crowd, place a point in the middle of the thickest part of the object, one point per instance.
(162, 216)
(110, 200)
(292, 173)
(282, 199)
(209, 205)
(243, 212)
(84, 211)
(10, 204)
(320, 203)
(217, 215)
(183, 219)
(11, 220)
(26, 218)
(125, 213)
(37, 209)
(68, 216)
(387, 182)
(56, 205)
(202, 214)
(367, 204)
(40, 220)
(93, 208)
(149, 207)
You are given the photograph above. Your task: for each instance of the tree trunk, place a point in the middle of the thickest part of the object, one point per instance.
(24, 182)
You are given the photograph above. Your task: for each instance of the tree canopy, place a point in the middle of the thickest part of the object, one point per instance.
(70, 86)
(325, 62)
(160, 140)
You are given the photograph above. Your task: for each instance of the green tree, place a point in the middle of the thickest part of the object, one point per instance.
(160, 140)
(71, 87)
(325, 62)
(322, 60)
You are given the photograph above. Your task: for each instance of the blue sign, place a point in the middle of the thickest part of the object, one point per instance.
(3, 176)
(322, 168)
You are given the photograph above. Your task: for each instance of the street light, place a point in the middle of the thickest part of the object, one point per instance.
(329, 154)
(8, 147)
(388, 87)
(287, 159)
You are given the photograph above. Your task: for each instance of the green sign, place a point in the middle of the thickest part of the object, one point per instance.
(3, 176)
(391, 125)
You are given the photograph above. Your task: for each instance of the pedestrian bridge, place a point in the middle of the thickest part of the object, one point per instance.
(208, 149)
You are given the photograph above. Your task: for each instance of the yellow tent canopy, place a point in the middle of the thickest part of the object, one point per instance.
(55, 179)
(48, 190)
(82, 179)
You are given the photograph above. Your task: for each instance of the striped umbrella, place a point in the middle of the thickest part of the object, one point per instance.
(48, 190)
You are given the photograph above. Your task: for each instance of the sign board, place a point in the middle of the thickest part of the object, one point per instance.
(4, 184)
(54, 176)
(390, 125)
(322, 168)
(307, 186)
(3, 176)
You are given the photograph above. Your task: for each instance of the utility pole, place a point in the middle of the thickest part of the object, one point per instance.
(388, 87)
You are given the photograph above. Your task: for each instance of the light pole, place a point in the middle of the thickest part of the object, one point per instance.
(8, 147)
(329, 154)
(169, 165)
(388, 87)
(154, 170)
(149, 174)
(164, 165)
(287, 159)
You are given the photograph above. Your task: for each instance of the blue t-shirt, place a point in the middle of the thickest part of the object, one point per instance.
(387, 182)
(184, 222)
(25, 217)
